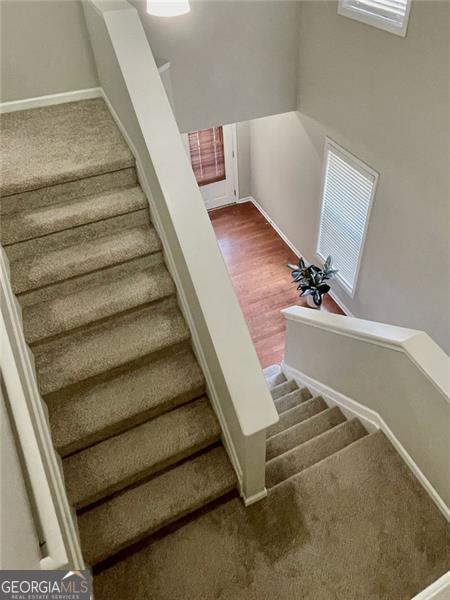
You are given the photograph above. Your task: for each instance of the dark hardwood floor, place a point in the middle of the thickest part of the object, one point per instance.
(256, 258)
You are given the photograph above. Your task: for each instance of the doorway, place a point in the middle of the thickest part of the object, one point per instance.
(212, 153)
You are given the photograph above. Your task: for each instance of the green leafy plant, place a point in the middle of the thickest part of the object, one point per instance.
(311, 280)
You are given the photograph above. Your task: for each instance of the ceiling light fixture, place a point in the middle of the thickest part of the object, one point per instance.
(168, 8)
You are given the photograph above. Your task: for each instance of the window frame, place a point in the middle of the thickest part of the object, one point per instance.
(375, 20)
(362, 167)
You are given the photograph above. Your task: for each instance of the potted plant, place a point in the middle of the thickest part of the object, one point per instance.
(311, 280)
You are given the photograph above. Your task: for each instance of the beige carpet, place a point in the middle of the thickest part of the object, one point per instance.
(356, 526)
(125, 396)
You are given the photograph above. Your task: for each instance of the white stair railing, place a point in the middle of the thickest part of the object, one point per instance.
(137, 99)
(400, 375)
(53, 513)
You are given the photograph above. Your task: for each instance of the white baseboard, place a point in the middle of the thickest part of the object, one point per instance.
(372, 421)
(184, 305)
(50, 100)
(294, 249)
(438, 590)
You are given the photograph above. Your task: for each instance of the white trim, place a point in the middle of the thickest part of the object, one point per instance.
(375, 20)
(235, 162)
(351, 291)
(294, 249)
(372, 420)
(183, 302)
(39, 101)
(255, 498)
(244, 199)
(440, 587)
(42, 463)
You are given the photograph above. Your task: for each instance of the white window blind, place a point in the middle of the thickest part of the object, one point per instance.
(391, 15)
(348, 189)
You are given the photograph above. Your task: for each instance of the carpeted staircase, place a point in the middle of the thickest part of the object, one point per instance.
(139, 442)
(308, 431)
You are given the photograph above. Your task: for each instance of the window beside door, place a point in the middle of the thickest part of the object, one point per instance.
(206, 150)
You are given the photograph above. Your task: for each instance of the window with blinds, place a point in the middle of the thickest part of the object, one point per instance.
(348, 189)
(391, 15)
(207, 155)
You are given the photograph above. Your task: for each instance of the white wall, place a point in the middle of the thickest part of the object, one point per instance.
(19, 547)
(230, 61)
(44, 49)
(385, 99)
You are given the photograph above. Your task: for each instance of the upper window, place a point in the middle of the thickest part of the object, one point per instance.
(207, 155)
(348, 188)
(391, 15)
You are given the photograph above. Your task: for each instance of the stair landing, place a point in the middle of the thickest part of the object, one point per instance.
(355, 526)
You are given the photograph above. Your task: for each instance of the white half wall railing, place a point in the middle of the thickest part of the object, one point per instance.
(395, 378)
(52, 512)
(137, 99)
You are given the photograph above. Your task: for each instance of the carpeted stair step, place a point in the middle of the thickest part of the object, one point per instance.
(58, 265)
(292, 399)
(95, 411)
(61, 143)
(302, 432)
(75, 236)
(311, 452)
(67, 287)
(283, 388)
(68, 192)
(42, 221)
(124, 459)
(299, 413)
(143, 510)
(61, 314)
(109, 345)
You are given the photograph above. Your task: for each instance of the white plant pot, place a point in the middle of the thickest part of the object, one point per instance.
(310, 302)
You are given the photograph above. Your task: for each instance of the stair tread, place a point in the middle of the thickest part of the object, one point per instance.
(302, 432)
(297, 414)
(292, 399)
(361, 448)
(76, 236)
(54, 144)
(97, 410)
(120, 461)
(311, 452)
(91, 304)
(67, 287)
(283, 388)
(109, 345)
(141, 511)
(69, 191)
(37, 271)
(57, 217)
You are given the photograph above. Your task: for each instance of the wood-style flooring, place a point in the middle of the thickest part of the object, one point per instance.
(256, 258)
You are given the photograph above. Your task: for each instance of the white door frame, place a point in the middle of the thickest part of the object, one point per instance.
(235, 162)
